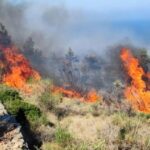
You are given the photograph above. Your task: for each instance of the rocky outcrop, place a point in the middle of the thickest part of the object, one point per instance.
(11, 137)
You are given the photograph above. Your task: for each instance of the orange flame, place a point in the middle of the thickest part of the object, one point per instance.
(136, 92)
(67, 93)
(17, 69)
(91, 96)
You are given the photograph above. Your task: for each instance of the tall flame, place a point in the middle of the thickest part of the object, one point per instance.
(137, 92)
(16, 68)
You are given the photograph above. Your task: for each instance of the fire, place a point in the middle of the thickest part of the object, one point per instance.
(65, 92)
(91, 96)
(16, 68)
(137, 92)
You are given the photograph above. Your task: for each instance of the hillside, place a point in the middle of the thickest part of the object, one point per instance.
(71, 78)
(75, 125)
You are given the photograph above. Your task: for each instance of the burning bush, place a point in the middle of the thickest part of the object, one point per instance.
(15, 68)
(137, 92)
(91, 96)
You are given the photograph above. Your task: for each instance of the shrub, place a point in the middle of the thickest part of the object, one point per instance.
(119, 118)
(8, 94)
(14, 103)
(62, 136)
(122, 133)
(50, 100)
(95, 110)
(144, 116)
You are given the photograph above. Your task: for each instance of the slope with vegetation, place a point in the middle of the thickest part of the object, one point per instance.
(52, 122)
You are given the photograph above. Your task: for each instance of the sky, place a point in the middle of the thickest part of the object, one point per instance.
(136, 8)
(95, 24)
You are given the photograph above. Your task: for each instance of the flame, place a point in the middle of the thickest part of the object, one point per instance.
(65, 92)
(17, 69)
(137, 92)
(91, 96)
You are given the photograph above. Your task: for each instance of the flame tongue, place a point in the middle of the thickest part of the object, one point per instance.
(17, 69)
(65, 92)
(91, 96)
(136, 93)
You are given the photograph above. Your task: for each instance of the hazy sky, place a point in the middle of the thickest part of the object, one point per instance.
(136, 8)
(95, 24)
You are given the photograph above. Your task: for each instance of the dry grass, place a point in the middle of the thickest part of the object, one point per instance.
(90, 126)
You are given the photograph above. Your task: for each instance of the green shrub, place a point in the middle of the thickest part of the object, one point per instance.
(95, 110)
(50, 100)
(12, 106)
(8, 94)
(14, 103)
(122, 133)
(143, 115)
(62, 136)
(119, 118)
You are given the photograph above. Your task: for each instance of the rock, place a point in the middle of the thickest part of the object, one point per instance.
(11, 137)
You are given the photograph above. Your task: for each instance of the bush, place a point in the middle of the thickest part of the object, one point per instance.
(8, 94)
(50, 100)
(14, 103)
(62, 136)
(119, 118)
(95, 110)
(144, 116)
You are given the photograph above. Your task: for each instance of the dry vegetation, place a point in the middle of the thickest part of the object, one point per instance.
(73, 125)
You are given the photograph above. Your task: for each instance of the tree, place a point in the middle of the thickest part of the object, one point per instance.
(35, 56)
(92, 66)
(70, 70)
(145, 63)
(5, 39)
(145, 60)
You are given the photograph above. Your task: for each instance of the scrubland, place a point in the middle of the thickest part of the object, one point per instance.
(60, 123)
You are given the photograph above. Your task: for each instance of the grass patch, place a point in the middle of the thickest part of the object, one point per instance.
(51, 146)
(62, 136)
(119, 118)
(143, 116)
(14, 103)
(50, 100)
(8, 94)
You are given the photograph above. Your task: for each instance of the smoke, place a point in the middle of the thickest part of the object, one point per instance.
(12, 16)
(54, 28)
(45, 24)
